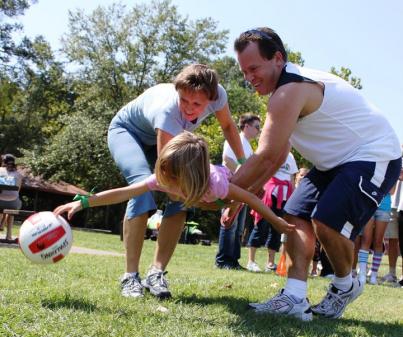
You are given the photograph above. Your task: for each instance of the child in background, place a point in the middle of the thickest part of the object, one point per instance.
(182, 170)
(373, 233)
(276, 192)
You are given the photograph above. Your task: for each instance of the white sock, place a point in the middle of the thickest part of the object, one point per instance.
(343, 283)
(127, 275)
(296, 288)
(392, 271)
(154, 269)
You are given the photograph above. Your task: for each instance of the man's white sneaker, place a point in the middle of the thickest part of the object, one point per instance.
(283, 304)
(253, 267)
(336, 301)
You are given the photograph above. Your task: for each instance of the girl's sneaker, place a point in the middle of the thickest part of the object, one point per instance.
(270, 268)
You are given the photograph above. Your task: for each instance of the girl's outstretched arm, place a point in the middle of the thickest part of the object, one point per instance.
(237, 193)
(108, 197)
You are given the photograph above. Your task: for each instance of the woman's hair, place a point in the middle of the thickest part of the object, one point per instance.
(184, 161)
(198, 77)
(267, 40)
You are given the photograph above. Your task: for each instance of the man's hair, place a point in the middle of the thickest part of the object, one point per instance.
(267, 40)
(247, 118)
(185, 161)
(198, 77)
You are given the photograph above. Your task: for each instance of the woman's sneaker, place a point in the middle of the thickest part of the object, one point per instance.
(253, 267)
(131, 286)
(156, 283)
(336, 301)
(283, 304)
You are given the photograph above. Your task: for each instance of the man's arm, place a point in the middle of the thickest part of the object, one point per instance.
(284, 108)
(230, 131)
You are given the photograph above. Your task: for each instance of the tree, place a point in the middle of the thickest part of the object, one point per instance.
(33, 98)
(345, 74)
(9, 9)
(119, 53)
(78, 154)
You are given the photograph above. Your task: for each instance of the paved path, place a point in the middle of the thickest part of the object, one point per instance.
(89, 251)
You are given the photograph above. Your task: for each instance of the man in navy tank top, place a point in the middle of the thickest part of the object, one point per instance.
(356, 157)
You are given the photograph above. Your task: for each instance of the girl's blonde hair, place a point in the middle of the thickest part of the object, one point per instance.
(184, 161)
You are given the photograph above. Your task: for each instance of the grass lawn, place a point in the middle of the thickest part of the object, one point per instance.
(80, 296)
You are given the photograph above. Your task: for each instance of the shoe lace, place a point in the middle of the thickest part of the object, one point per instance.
(331, 299)
(132, 284)
(158, 279)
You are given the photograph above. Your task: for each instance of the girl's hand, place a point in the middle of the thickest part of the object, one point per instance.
(229, 214)
(69, 208)
(282, 226)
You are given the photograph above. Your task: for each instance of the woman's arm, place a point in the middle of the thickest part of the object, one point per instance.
(108, 197)
(230, 131)
(162, 138)
(239, 194)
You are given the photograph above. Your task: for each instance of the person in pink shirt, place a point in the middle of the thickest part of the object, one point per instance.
(183, 170)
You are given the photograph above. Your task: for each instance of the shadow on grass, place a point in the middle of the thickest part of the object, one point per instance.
(249, 322)
(67, 302)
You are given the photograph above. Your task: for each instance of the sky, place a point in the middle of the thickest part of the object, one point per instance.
(363, 35)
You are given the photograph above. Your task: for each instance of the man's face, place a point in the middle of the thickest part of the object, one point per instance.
(257, 70)
(192, 103)
(252, 130)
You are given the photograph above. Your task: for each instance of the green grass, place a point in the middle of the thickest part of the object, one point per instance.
(80, 296)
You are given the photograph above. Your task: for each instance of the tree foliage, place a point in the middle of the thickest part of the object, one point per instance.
(345, 74)
(56, 113)
(120, 53)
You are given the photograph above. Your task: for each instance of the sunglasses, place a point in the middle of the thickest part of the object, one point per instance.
(254, 32)
(257, 126)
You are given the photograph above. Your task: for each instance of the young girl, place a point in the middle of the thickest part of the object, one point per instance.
(183, 170)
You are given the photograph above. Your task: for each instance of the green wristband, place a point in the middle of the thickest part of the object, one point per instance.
(220, 203)
(241, 160)
(83, 200)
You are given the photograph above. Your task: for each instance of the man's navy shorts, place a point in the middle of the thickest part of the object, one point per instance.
(345, 197)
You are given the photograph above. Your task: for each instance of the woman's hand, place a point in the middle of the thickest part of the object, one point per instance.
(70, 208)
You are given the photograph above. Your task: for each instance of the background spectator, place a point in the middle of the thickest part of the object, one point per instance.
(229, 241)
(9, 199)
